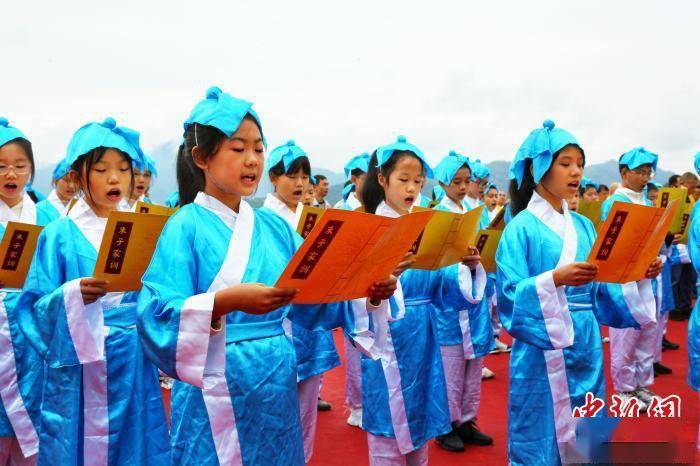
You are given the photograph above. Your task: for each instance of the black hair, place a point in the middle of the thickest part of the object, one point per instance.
(92, 157)
(673, 179)
(603, 186)
(357, 172)
(319, 178)
(27, 147)
(372, 193)
(520, 196)
(652, 186)
(300, 163)
(190, 178)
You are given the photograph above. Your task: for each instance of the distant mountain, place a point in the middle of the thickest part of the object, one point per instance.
(165, 156)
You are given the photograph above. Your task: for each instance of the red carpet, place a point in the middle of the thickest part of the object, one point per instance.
(339, 444)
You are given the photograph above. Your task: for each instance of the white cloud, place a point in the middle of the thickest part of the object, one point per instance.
(341, 78)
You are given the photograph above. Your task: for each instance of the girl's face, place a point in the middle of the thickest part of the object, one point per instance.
(501, 198)
(652, 194)
(477, 187)
(234, 170)
(291, 188)
(591, 195)
(110, 181)
(66, 188)
(573, 202)
(403, 184)
(603, 194)
(491, 198)
(308, 195)
(636, 179)
(564, 176)
(459, 186)
(358, 181)
(142, 182)
(15, 169)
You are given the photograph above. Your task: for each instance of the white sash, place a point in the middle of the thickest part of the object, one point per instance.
(563, 226)
(217, 397)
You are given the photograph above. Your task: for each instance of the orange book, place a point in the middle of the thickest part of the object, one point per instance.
(629, 241)
(310, 215)
(17, 250)
(487, 244)
(148, 208)
(347, 252)
(446, 238)
(127, 247)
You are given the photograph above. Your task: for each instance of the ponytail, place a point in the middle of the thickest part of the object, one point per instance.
(372, 193)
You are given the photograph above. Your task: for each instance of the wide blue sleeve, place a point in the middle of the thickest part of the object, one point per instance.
(51, 313)
(458, 288)
(531, 307)
(174, 320)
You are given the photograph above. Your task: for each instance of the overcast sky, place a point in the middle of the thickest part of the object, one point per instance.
(342, 78)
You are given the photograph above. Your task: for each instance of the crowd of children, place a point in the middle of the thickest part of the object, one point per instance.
(79, 365)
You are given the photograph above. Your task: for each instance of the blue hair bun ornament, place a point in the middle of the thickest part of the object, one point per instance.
(213, 92)
(109, 123)
(549, 124)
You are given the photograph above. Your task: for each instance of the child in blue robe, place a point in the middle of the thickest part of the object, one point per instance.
(632, 350)
(64, 190)
(549, 303)
(289, 171)
(102, 403)
(465, 337)
(208, 313)
(20, 365)
(403, 393)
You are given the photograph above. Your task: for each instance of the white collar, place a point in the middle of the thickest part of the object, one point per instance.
(635, 197)
(353, 202)
(544, 211)
(224, 212)
(452, 206)
(386, 211)
(28, 214)
(57, 202)
(471, 202)
(92, 226)
(273, 203)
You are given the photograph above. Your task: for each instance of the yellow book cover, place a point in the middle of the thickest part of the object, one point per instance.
(446, 238)
(591, 210)
(309, 217)
(347, 252)
(126, 249)
(487, 244)
(16, 251)
(629, 240)
(668, 195)
(148, 208)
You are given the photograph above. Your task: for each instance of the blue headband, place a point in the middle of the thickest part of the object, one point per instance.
(222, 111)
(8, 133)
(61, 170)
(491, 185)
(637, 157)
(286, 154)
(347, 190)
(586, 182)
(540, 146)
(697, 163)
(384, 153)
(448, 167)
(480, 170)
(148, 165)
(106, 134)
(359, 162)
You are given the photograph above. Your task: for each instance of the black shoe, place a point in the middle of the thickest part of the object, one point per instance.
(660, 369)
(450, 442)
(470, 434)
(323, 405)
(669, 344)
(677, 316)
